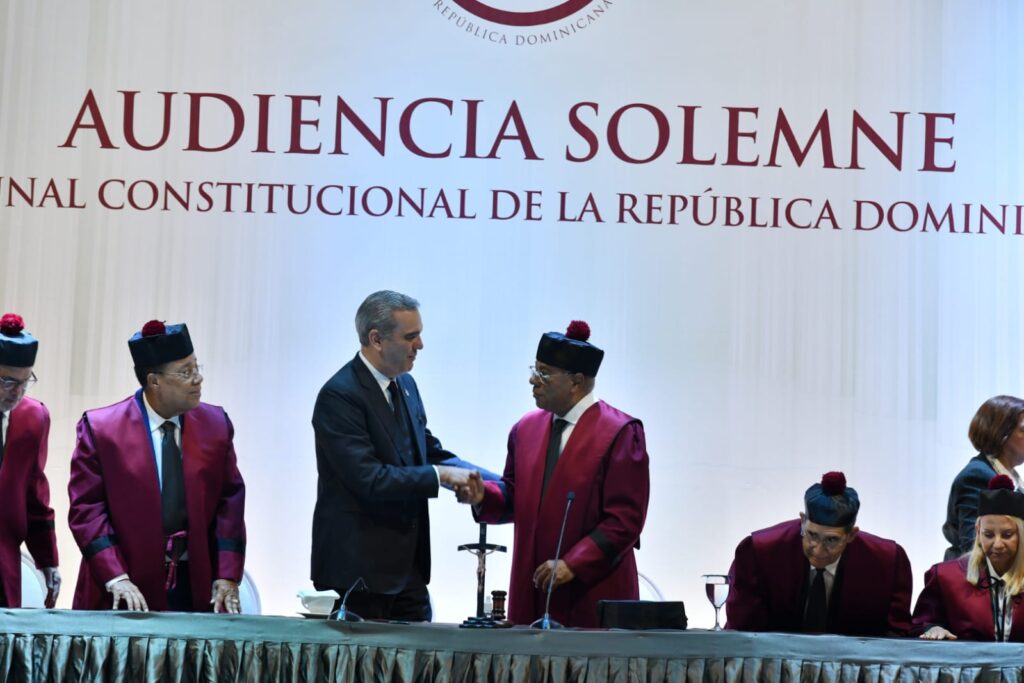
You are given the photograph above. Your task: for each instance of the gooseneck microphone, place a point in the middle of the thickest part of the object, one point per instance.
(546, 622)
(343, 614)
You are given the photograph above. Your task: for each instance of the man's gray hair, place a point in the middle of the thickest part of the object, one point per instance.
(376, 313)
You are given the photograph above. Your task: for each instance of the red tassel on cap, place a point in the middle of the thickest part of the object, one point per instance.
(12, 324)
(578, 330)
(153, 328)
(1000, 481)
(833, 483)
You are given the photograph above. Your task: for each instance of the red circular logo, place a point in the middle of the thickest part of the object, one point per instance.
(534, 18)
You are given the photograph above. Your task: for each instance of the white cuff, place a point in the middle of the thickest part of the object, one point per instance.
(110, 584)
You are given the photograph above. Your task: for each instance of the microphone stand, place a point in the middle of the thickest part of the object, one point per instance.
(343, 614)
(546, 622)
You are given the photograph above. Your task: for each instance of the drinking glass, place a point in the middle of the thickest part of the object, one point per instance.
(717, 588)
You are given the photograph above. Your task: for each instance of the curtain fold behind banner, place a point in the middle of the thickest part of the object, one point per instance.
(91, 646)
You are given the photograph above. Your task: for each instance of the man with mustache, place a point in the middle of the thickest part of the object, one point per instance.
(573, 444)
(157, 502)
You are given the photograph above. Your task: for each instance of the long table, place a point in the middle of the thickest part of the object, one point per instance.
(63, 645)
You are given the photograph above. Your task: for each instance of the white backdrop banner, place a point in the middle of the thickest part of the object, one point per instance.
(794, 227)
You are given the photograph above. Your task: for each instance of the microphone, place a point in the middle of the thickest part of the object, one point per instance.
(343, 614)
(546, 622)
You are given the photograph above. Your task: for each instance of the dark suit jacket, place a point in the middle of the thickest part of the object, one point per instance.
(769, 578)
(371, 503)
(962, 508)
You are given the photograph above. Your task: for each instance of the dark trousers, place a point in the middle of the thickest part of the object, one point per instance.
(179, 597)
(412, 603)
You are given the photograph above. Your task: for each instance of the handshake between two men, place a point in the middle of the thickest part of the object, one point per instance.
(469, 489)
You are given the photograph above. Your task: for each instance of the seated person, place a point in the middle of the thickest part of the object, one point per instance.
(977, 597)
(997, 431)
(820, 573)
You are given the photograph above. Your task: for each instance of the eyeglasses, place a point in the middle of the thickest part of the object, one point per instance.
(11, 384)
(827, 542)
(544, 377)
(190, 375)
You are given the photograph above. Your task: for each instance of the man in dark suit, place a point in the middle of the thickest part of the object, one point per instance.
(820, 573)
(378, 464)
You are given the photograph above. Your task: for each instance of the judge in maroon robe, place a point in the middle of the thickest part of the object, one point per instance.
(979, 596)
(157, 501)
(820, 573)
(25, 512)
(573, 445)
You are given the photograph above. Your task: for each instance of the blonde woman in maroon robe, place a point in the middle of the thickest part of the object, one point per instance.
(25, 512)
(574, 444)
(157, 501)
(979, 596)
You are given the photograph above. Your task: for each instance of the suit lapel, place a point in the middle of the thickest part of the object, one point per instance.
(413, 409)
(378, 404)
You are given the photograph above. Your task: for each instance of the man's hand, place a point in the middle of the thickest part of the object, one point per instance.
(52, 578)
(937, 633)
(455, 478)
(224, 597)
(473, 492)
(130, 593)
(543, 574)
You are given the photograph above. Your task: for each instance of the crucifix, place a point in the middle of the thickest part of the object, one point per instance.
(481, 549)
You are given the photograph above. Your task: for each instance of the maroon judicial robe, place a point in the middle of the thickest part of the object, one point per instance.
(25, 512)
(964, 610)
(605, 463)
(769, 579)
(115, 504)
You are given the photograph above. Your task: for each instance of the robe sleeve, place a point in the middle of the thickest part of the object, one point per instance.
(930, 609)
(624, 495)
(899, 602)
(497, 506)
(88, 515)
(745, 608)
(229, 524)
(41, 540)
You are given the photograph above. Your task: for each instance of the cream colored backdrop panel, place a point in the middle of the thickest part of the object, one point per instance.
(757, 358)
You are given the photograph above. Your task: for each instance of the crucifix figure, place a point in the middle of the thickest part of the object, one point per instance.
(481, 549)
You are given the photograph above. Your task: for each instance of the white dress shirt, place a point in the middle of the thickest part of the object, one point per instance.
(572, 417)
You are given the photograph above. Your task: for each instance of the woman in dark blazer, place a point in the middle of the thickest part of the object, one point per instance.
(998, 433)
(979, 596)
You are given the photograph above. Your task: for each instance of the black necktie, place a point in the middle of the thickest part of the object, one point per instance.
(554, 446)
(172, 497)
(396, 401)
(816, 616)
